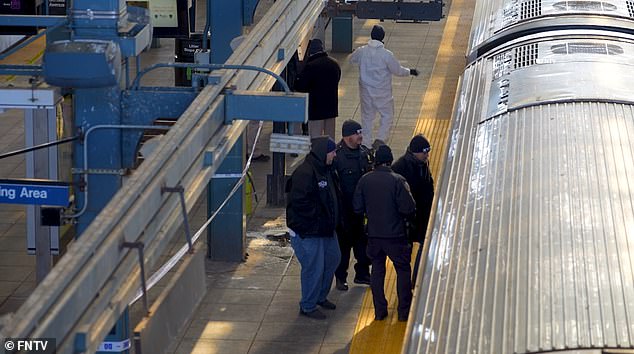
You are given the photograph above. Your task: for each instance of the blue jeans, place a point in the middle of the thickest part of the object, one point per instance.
(319, 257)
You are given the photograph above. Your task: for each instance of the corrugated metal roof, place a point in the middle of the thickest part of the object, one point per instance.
(533, 243)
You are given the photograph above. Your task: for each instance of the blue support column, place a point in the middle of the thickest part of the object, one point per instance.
(95, 107)
(226, 24)
(226, 234)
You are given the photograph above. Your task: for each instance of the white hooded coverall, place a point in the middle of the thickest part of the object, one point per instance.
(376, 67)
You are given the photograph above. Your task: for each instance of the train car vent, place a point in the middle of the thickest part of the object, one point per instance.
(530, 9)
(585, 6)
(525, 55)
(587, 48)
(630, 8)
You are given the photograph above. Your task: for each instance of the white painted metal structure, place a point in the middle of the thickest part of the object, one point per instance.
(92, 284)
(531, 248)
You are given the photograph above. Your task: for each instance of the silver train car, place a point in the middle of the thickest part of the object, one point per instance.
(499, 21)
(531, 246)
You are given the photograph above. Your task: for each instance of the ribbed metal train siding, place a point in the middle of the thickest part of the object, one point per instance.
(533, 242)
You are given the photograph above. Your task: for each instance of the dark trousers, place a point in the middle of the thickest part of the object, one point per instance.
(400, 253)
(355, 239)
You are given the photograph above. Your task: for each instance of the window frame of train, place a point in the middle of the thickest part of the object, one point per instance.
(169, 18)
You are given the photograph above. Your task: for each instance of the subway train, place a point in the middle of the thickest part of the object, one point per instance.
(531, 244)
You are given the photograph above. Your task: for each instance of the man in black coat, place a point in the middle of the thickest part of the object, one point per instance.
(414, 166)
(320, 79)
(385, 199)
(353, 161)
(312, 214)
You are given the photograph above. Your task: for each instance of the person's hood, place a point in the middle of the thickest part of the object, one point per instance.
(316, 56)
(375, 44)
(319, 148)
(409, 155)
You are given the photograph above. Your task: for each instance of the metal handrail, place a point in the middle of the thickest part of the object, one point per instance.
(137, 80)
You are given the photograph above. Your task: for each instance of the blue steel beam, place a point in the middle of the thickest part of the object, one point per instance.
(28, 20)
(143, 107)
(268, 106)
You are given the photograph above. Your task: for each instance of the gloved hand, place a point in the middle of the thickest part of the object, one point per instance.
(413, 72)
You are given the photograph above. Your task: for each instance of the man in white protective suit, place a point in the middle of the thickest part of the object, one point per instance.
(376, 67)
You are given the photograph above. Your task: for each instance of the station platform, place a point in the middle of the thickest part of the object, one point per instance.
(252, 307)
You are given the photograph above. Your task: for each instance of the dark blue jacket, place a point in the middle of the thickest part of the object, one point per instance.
(384, 197)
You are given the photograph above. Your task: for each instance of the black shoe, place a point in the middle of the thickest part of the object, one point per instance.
(261, 158)
(314, 314)
(380, 317)
(342, 285)
(402, 318)
(364, 279)
(327, 305)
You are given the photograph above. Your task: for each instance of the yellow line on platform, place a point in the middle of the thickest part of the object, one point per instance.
(30, 54)
(434, 121)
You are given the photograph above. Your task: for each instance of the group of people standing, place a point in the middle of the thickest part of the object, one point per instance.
(346, 196)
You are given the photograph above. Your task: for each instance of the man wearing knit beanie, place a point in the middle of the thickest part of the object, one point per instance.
(353, 160)
(376, 67)
(414, 166)
(384, 197)
(312, 213)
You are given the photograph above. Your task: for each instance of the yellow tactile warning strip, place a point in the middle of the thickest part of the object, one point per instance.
(434, 122)
(29, 55)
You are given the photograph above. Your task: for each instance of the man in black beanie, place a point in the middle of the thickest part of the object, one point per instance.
(312, 214)
(384, 197)
(353, 161)
(414, 166)
(376, 67)
(320, 79)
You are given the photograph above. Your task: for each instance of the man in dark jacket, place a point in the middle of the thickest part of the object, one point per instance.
(353, 161)
(414, 166)
(385, 199)
(312, 214)
(320, 79)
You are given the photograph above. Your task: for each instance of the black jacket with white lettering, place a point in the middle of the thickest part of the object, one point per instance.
(312, 208)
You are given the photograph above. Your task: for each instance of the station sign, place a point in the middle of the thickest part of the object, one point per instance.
(34, 192)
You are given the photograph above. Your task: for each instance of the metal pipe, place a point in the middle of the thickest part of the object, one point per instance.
(137, 80)
(40, 146)
(84, 171)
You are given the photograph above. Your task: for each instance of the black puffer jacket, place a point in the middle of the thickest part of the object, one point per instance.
(421, 183)
(320, 79)
(313, 195)
(385, 199)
